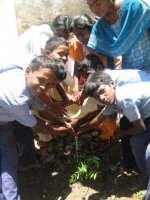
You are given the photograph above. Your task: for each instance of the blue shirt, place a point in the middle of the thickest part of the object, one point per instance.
(15, 97)
(132, 100)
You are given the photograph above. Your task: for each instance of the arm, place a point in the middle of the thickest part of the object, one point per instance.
(75, 85)
(92, 124)
(132, 113)
(76, 77)
(49, 102)
(84, 120)
(83, 96)
(53, 105)
(137, 128)
(51, 116)
(62, 93)
(48, 128)
(66, 98)
(118, 62)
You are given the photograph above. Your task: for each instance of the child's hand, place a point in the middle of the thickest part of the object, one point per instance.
(70, 129)
(61, 130)
(59, 107)
(82, 130)
(77, 97)
(73, 122)
(75, 92)
(70, 101)
(118, 62)
(96, 18)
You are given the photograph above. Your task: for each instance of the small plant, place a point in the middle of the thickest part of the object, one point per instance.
(87, 169)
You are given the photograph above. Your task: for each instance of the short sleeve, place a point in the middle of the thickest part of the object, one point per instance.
(23, 115)
(108, 110)
(130, 110)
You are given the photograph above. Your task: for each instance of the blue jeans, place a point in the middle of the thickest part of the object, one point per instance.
(148, 170)
(8, 164)
(139, 144)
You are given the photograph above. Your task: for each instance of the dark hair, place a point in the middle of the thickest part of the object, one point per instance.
(91, 61)
(45, 62)
(95, 80)
(62, 23)
(82, 21)
(55, 42)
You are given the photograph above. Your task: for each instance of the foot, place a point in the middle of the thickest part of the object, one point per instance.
(127, 172)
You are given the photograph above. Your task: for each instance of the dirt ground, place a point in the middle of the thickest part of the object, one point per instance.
(61, 160)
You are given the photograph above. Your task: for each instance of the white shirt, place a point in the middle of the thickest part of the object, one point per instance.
(15, 97)
(126, 76)
(132, 100)
(30, 44)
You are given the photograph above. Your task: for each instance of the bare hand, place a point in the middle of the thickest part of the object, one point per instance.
(81, 131)
(73, 122)
(70, 129)
(59, 107)
(70, 100)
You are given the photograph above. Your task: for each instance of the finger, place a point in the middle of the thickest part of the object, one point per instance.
(78, 133)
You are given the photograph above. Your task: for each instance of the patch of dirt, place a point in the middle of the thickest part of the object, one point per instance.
(62, 160)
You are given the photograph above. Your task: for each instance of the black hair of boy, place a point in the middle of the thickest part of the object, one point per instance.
(95, 80)
(91, 61)
(54, 64)
(54, 42)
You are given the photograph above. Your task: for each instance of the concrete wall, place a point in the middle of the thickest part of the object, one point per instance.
(8, 33)
(31, 12)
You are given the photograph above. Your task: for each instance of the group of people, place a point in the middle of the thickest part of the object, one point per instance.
(102, 66)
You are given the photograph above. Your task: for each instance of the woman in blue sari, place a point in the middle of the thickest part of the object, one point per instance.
(123, 30)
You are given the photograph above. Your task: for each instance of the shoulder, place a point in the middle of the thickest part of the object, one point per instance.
(124, 94)
(131, 93)
(15, 90)
(37, 29)
(45, 28)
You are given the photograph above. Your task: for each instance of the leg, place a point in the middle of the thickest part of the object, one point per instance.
(8, 163)
(128, 158)
(24, 137)
(1, 192)
(139, 144)
(148, 170)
